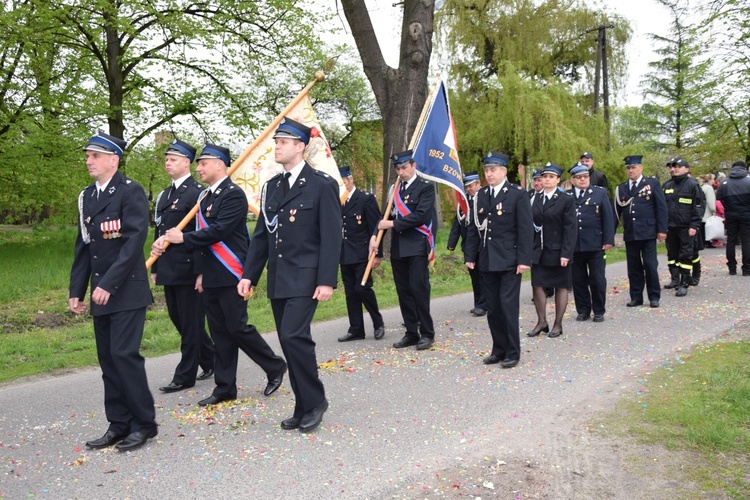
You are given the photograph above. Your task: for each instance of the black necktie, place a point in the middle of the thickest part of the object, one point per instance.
(580, 195)
(287, 175)
(171, 190)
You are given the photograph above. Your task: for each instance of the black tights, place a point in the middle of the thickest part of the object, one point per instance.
(540, 303)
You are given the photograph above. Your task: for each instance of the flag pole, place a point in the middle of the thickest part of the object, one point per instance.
(319, 76)
(379, 238)
(417, 130)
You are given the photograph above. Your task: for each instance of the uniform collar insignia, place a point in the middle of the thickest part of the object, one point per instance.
(111, 189)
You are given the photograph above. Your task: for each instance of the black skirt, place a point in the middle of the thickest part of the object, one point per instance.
(552, 276)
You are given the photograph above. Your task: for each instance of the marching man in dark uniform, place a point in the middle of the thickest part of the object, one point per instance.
(221, 240)
(412, 249)
(501, 235)
(459, 229)
(299, 235)
(640, 203)
(596, 233)
(113, 227)
(360, 215)
(176, 270)
(684, 212)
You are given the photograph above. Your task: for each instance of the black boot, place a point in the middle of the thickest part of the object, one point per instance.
(682, 287)
(675, 273)
(696, 279)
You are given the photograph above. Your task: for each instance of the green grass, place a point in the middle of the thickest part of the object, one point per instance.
(698, 404)
(40, 335)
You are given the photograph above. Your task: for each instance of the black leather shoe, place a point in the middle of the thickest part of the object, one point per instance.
(172, 387)
(553, 334)
(695, 281)
(407, 341)
(379, 332)
(635, 303)
(534, 333)
(205, 374)
(136, 439)
(491, 359)
(274, 383)
(583, 317)
(478, 311)
(290, 423)
(425, 343)
(108, 439)
(509, 363)
(732, 272)
(214, 400)
(598, 318)
(654, 303)
(312, 418)
(350, 336)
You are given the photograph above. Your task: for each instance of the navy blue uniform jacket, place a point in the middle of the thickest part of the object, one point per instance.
(596, 220)
(406, 241)
(116, 263)
(559, 228)
(644, 211)
(177, 265)
(226, 215)
(360, 216)
(509, 234)
(298, 235)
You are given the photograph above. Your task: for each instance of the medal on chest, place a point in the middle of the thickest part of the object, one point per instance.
(359, 219)
(208, 210)
(174, 204)
(111, 229)
(499, 208)
(292, 218)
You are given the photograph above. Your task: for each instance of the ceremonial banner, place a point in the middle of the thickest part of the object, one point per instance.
(435, 149)
(259, 165)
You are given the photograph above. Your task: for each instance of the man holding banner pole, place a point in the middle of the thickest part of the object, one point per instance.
(221, 241)
(412, 249)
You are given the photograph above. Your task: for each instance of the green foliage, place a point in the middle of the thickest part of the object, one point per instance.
(679, 88)
(518, 71)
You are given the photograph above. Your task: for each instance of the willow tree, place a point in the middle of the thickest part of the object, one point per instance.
(524, 71)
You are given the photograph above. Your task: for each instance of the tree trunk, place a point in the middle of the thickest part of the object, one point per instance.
(115, 80)
(400, 92)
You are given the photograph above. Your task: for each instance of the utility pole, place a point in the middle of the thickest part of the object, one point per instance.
(601, 75)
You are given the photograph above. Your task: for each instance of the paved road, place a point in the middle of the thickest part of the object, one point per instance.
(396, 420)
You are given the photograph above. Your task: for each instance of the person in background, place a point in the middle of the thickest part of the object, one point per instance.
(360, 215)
(459, 229)
(734, 194)
(177, 271)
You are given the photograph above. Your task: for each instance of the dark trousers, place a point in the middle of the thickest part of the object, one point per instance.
(476, 286)
(502, 291)
(412, 279)
(128, 403)
(642, 269)
(358, 295)
(738, 227)
(680, 249)
(293, 317)
(185, 306)
(590, 282)
(227, 319)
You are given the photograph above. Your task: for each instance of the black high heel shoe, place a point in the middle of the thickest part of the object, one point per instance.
(534, 333)
(554, 334)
